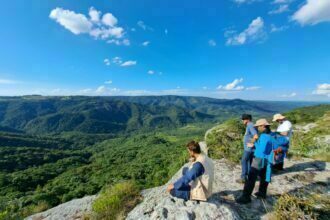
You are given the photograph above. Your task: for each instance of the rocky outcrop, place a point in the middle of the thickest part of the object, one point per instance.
(74, 209)
(299, 174)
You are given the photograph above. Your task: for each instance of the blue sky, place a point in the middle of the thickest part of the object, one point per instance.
(249, 49)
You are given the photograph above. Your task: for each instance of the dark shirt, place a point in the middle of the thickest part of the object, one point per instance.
(192, 174)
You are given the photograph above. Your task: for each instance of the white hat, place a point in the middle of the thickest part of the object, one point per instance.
(278, 117)
(284, 127)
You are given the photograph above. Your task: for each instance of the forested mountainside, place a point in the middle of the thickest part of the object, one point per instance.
(40, 115)
(298, 192)
(54, 149)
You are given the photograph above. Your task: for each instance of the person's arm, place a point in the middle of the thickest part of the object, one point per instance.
(255, 137)
(193, 173)
(254, 132)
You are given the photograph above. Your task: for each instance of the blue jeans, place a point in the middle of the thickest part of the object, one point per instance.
(184, 191)
(246, 163)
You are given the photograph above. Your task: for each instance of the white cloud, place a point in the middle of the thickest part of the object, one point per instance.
(273, 28)
(146, 43)
(8, 81)
(76, 23)
(322, 89)
(142, 25)
(244, 1)
(281, 9)
(254, 32)
(124, 42)
(103, 90)
(107, 62)
(313, 12)
(291, 95)
(104, 28)
(85, 91)
(117, 60)
(94, 15)
(281, 1)
(129, 63)
(212, 43)
(253, 88)
(151, 72)
(109, 19)
(108, 82)
(233, 86)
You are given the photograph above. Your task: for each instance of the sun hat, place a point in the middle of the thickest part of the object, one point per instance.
(278, 117)
(261, 122)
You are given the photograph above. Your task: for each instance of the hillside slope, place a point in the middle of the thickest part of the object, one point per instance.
(42, 115)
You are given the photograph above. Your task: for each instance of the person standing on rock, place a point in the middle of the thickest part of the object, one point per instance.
(260, 165)
(282, 137)
(196, 182)
(251, 135)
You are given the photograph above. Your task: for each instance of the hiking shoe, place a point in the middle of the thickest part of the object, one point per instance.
(243, 200)
(260, 195)
(240, 181)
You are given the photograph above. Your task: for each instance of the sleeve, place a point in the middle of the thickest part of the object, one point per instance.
(196, 171)
(253, 130)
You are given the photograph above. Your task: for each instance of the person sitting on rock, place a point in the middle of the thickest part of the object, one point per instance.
(196, 182)
(260, 165)
(250, 136)
(282, 135)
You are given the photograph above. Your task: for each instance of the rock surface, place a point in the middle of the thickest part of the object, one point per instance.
(74, 209)
(299, 174)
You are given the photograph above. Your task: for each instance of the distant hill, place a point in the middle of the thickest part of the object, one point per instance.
(41, 115)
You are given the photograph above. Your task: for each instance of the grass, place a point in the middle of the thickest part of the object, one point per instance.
(302, 206)
(312, 144)
(116, 201)
(225, 141)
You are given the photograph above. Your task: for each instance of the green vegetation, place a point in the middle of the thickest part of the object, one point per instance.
(307, 114)
(117, 115)
(58, 176)
(116, 201)
(225, 140)
(55, 149)
(302, 206)
(313, 142)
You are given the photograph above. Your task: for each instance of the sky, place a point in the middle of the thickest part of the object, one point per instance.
(248, 49)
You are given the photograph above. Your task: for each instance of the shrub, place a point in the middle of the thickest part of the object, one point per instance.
(225, 141)
(313, 143)
(116, 201)
(302, 206)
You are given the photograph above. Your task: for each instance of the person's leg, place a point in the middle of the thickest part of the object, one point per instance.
(181, 194)
(250, 183)
(278, 166)
(250, 161)
(245, 164)
(184, 170)
(263, 184)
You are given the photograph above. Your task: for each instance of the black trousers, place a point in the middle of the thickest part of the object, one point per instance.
(256, 170)
(278, 166)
